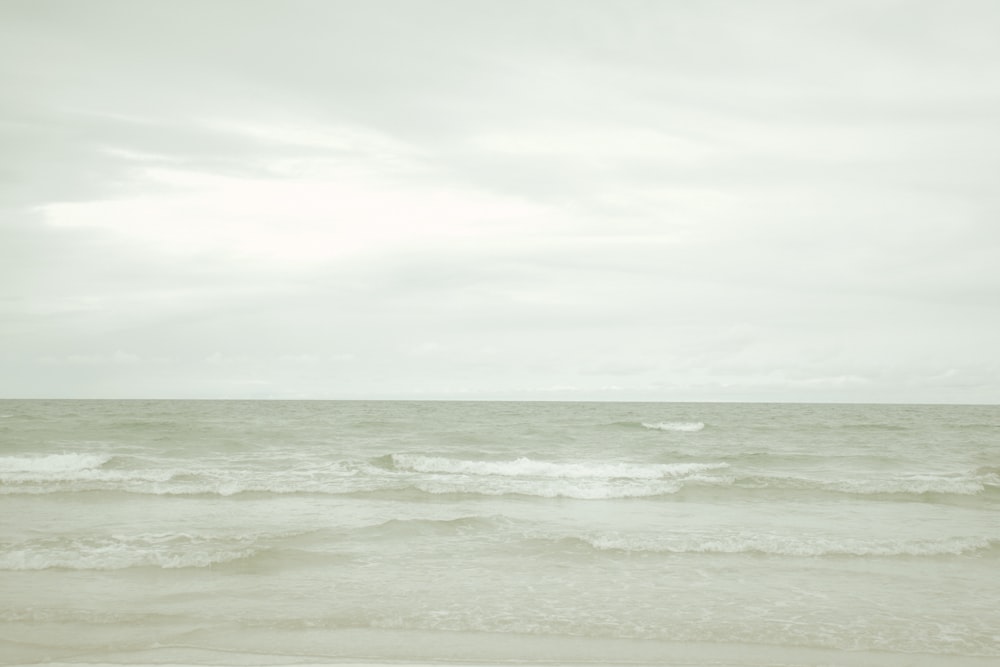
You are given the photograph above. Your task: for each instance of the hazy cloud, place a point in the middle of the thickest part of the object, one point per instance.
(549, 199)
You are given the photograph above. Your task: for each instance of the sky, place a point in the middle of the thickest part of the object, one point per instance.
(507, 199)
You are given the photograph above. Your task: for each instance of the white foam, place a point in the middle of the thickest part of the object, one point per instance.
(525, 467)
(685, 427)
(167, 482)
(53, 463)
(431, 474)
(88, 479)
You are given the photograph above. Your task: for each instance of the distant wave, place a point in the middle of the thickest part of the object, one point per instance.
(866, 426)
(683, 427)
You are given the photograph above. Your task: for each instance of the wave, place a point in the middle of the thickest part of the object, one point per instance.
(84, 479)
(401, 473)
(317, 546)
(171, 551)
(787, 545)
(52, 464)
(167, 551)
(990, 473)
(590, 480)
(403, 489)
(963, 484)
(867, 426)
(525, 467)
(410, 528)
(574, 489)
(684, 427)
(711, 481)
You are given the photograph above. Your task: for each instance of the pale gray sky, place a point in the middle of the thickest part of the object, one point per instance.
(537, 199)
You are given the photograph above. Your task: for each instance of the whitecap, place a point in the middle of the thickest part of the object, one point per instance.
(526, 467)
(684, 427)
(52, 463)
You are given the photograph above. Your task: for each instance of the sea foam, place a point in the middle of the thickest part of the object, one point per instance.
(526, 467)
(686, 427)
(590, 480)
(53, 463)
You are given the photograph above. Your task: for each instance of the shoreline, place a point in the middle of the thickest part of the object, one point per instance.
(404, 648)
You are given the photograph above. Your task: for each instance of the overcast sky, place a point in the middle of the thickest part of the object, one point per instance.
(621, 200)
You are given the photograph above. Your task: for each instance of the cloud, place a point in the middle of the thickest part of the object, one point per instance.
(659, 200)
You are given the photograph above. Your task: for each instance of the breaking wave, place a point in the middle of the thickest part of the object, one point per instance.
(684, 427)
(407, 472)
(525, 467)
(53, 464)
(591, 480)
(57, 472)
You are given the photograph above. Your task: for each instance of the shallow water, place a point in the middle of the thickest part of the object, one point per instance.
(567, 532)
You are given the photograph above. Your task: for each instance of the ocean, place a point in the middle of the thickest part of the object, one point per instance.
(382, 532)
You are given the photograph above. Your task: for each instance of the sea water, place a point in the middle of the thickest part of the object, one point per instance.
(229, 532)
